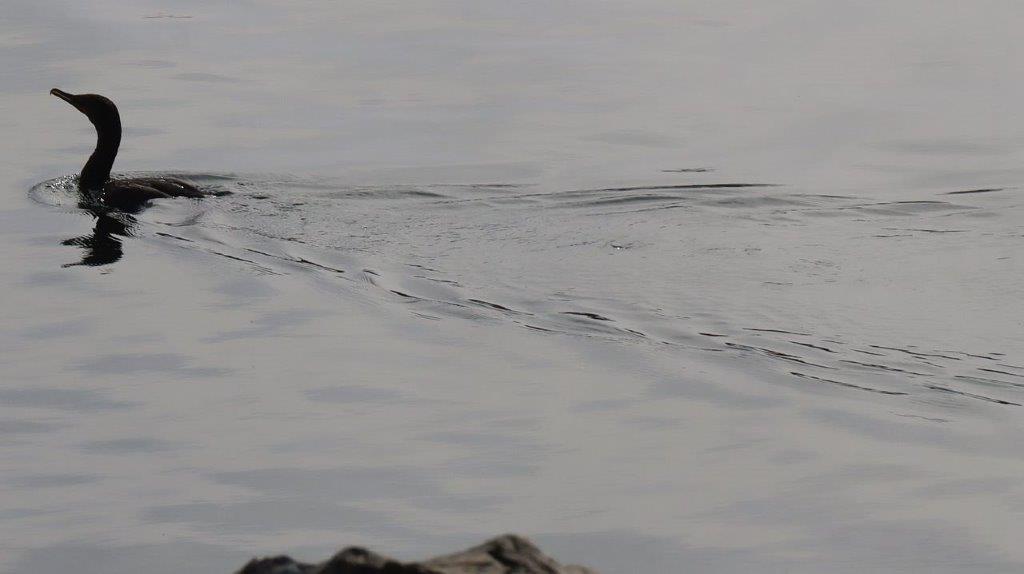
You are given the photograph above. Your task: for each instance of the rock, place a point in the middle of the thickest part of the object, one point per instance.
(509, 554)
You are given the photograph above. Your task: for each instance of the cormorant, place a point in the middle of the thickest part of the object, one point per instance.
(129, 194)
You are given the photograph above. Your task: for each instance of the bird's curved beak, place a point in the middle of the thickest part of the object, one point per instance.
(69, 98)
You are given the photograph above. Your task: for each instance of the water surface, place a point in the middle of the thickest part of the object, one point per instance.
(716, 286)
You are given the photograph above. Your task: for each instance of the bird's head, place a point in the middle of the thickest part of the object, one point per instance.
(100, 110)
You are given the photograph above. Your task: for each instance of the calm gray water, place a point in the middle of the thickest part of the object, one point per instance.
(705, 286)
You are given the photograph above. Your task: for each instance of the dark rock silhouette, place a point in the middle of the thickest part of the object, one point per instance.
(508, 554)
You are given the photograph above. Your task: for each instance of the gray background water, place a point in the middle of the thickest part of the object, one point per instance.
(455, 292)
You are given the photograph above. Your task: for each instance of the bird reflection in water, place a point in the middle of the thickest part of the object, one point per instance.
(103, 245)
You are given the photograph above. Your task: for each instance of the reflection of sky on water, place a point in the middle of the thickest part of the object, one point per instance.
(251, 383)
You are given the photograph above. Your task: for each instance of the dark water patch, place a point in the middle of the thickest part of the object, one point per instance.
(756, 202)
(883, 367)
(622, 246)
(998, 372)
(812, 346)
(982, 190)
(196, 177)
(477, 187)
(777, 355)
(188, 221)
(824, 196)
(486, 185)
(988, 357)
(691, 186)
(316, 265)
(924, 418)
(175, 237)
(752, 202)
(627, 200)
(587, 314)
(264, 253)
(263, 269)
(985, 381)
(848, 385)
(910, 208)
(679, 205)
(971, 395)
(689, 170)
(782, 331)
(928, 230)
(915, 353)
(438, 280)
(496, 306)
(389, 193)
(448, 308)
(577, 198)
(583, 324)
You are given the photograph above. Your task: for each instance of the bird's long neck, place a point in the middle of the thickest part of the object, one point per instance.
(97, 170)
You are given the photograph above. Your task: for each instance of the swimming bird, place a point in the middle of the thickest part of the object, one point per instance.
(126, 194)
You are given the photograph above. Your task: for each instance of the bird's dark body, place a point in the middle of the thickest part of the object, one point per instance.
(95, 183)
(129, 193)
